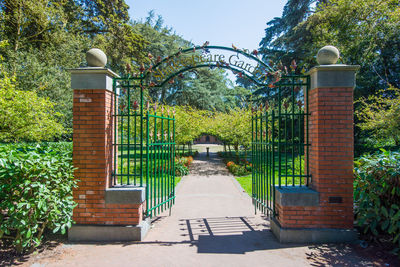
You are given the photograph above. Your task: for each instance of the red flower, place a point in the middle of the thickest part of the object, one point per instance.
(255, 52)
(135, 105)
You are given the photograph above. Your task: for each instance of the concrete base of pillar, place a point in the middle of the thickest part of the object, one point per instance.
(108, 233)
(312, 235)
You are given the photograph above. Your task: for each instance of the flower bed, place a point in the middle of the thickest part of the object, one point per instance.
(242, 168)
(182, 165)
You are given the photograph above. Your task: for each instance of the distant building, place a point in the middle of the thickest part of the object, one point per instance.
(207, 139)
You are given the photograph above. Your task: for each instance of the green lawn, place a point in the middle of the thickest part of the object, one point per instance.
(245, 182)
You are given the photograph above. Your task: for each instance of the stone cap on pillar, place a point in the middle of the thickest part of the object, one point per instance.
(92, 78)
(331, 76)
(95, 76)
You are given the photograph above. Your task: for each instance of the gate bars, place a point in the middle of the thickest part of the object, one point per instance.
(143, 146)
(160, 159)
(280, 142)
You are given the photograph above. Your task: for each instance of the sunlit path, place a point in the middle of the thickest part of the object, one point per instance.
(212, 224)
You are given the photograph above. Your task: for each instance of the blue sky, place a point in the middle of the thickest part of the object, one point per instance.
(222, 22)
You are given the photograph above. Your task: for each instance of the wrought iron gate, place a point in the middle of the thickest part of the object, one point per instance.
(143, 145)
(280, 141)
(160, 160)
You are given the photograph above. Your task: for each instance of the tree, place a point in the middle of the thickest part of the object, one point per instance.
(274, 45)
(380, 114)
(366, 32)
(23, 115)
(206, 90)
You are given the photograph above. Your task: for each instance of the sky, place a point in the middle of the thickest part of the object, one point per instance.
(221, 22)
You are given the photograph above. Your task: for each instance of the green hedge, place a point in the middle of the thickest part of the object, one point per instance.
(36, 184)
(377, 194)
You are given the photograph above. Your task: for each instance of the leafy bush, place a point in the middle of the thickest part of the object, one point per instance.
(377, 194)
(35, 192)
(181, 170)
(182, 165)
(23, 114)
(241, 169)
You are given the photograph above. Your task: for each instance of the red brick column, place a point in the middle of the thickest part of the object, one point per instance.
(324, 211)
(93, 132)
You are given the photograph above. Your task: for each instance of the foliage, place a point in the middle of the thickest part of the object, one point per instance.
(377, 194)
(274, 45)
(182, 165)
(35, 192)
(380, 113)
(204, 89)
(24, 115)
(237, 167)
(233, 127)
(366, 32)
(241, 169)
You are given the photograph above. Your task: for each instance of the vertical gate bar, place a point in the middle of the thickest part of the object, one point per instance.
(169, 160)
(162, 161)
(300, 146)
(129, 128)
(307, 125)
(258, 162)
(268, 161)
(279, 135)
(154, 176)
(286, 146)
(252, 161)
(135, 144)
(173, 161)
(122, 146)
(115, 171)
(147, 163)
(261, 159)
(273, 159)
(265, 163)
(293, 134)
(141, 131)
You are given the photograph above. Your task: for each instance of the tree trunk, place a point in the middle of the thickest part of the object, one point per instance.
(236, 147)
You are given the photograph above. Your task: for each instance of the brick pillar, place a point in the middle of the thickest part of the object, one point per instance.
(324, 211)
(104, 213)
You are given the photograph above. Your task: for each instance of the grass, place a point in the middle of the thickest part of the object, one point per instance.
(245, 182)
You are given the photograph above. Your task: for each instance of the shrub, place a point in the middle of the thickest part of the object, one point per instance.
(35, 192)
(237, 169)
(182, 165)
(181, 170)
(377, 194)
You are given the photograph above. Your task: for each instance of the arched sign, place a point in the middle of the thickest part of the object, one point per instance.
(241, 62)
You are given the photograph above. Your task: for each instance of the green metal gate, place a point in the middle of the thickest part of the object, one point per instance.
(143, 145)
(280, 141)
(160, 159)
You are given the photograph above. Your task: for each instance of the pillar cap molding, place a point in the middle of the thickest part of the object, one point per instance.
(92, 78)
(94, 70)
(333, 76)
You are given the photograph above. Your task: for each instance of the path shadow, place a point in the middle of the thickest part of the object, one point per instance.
(208, 166)
(228, 235)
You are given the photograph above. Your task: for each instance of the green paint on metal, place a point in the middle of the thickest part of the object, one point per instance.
(280, 144)
(144, 141)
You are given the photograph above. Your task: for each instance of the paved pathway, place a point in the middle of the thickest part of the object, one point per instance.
(212, 224)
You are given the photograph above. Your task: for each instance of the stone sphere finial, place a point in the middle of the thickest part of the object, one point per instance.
(96, 58)
(328, 55)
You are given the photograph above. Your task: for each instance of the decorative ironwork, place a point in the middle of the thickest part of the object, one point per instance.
(281, 157)
(144, 141)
